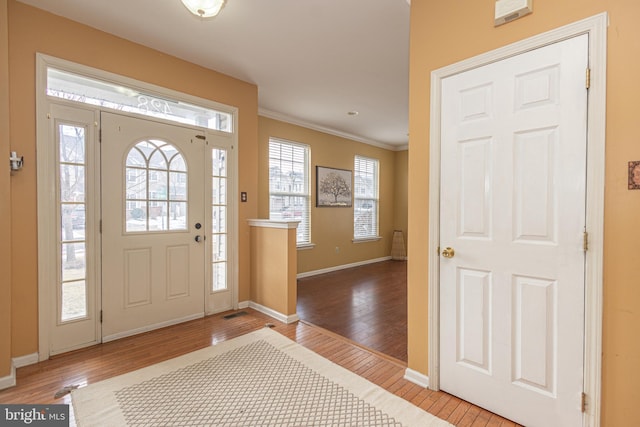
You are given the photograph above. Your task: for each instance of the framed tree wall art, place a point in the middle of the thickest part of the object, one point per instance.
(333, 187)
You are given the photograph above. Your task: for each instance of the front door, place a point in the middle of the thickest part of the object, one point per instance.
(153, 225)
(512, 260)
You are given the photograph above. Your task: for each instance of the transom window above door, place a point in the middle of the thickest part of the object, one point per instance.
(75, 87)
(156, 188)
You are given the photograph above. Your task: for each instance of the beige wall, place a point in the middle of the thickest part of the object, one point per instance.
(5, 200)
(331, 227)
(467, 28)
(273, 268)
(32, 30)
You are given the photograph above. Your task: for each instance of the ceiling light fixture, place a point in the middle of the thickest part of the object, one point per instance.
(204, 8)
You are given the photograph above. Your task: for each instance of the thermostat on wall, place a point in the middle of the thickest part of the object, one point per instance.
(508, 10)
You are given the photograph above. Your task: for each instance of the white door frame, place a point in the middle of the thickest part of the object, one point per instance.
(47, 273)
(596, 27)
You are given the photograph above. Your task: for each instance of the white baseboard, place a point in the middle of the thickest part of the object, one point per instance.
(151, 327)
(29, 359)
(243, 304)
(17, 362)
(272, 313)
(341, 267)
(9, 380)
(416, 378)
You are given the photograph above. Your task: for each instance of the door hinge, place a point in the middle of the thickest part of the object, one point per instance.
(588, 78)
(438, 250)
(583, 402)
(585, 241)
(100, 226)
(100, 135)
(101, 319)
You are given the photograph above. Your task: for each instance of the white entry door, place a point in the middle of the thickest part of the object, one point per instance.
(153, 225)
(512, 215)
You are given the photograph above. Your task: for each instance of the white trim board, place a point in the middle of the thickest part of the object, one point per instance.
(17, 362)
(341, 267)
(273, 313)
(596, 28)
(9, 380)
(416, 378)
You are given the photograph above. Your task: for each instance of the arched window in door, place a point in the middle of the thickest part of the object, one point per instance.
(156, 188)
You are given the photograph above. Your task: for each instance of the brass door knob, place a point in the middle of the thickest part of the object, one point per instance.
(448, 252)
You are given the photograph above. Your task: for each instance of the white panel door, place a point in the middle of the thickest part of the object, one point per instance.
(153, 225)
(513, 212)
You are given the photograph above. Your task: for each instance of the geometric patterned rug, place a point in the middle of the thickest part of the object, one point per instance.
(259, 379)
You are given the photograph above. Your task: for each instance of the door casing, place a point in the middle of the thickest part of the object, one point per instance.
(596, 28)
(46, 203)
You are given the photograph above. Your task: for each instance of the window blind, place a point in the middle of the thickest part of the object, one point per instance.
(289, 189)
(365, 206)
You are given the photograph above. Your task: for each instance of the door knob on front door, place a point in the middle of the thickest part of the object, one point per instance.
(198, 239)
(448, 252)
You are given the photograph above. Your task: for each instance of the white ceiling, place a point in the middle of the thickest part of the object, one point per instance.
(312, 60)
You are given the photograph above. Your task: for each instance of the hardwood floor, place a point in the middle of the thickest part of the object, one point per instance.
(38, 383)
(366, 304)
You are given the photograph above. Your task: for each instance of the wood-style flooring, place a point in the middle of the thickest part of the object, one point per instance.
(366, 304)
(38, 383)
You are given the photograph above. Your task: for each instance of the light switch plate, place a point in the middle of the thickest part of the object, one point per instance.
(508, 10)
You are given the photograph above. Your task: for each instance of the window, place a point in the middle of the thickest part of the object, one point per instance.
(289, 194)
(219, 231)
(156, 184)
(78, 88)
(72, 205)
(365, 195)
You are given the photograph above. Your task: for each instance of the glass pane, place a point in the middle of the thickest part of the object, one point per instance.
(136, 184)
(72, 222)
(177, 163)
(178, 216)
(158, 160)
(73, 261)
(71, 183)
(219, 195)
(158, 185)
(74, 300)
(136, 216)
(219, 162)
(177, 186)
(364, 218)
(219, 219)
(71, 144)
(135, 158)
(158, 216)
(219, 247)
(219, 270)
(146, 148)
(74, 87)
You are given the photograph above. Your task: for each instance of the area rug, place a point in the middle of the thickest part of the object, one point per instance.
(259, 379)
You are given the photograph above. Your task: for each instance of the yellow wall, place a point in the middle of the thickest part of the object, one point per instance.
(331, 227)
(5, 200)
(443, 33)
(32, 30)
(273, 268)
